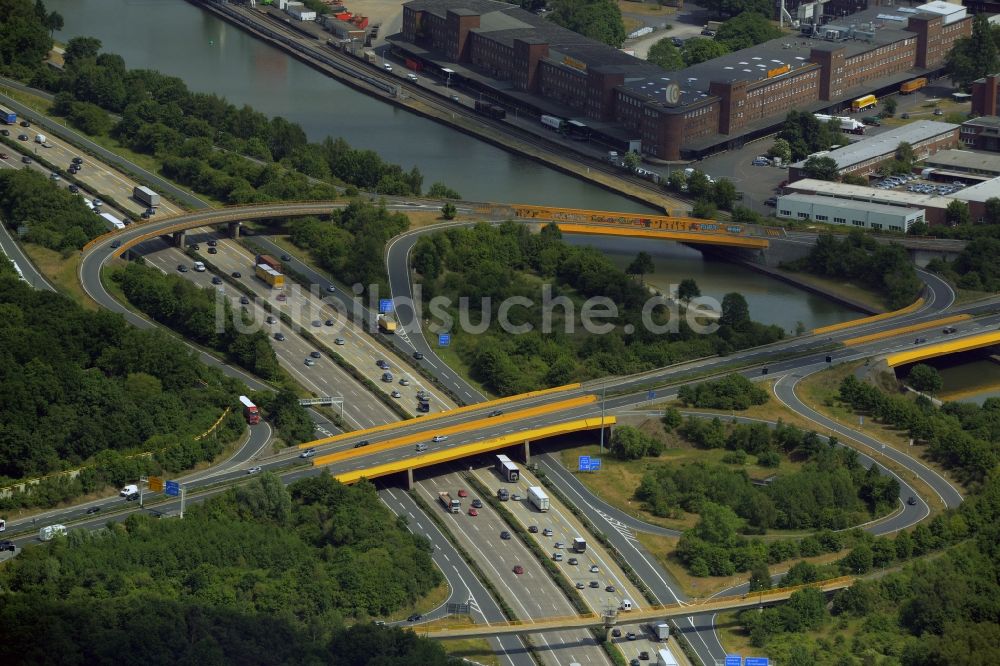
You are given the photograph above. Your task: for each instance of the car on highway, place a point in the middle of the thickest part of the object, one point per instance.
(462, 492)
(131, 497)
(181, 268)
(644, 655)
(282, 297)
(418, 356)
(236, 274)
(253, 470)
(339, 342)
(216, 279)
(595, 584)
(331, 289)
(496, 412)
(7, 544)
(244, 300)
(92, 510)
(271, 319)
(97, 202)
(308, 453)
(5, 132)
(634, 662)
(387, 378)
(473, 511)
(580, 585)
(74, 189)
(919, 341)
(280, 337)
(315, 354)
(948, 330)
(211, 250)
(396, 394)
(115, 244)
(382, 364)
(362, 444)
(557, 557)
(911, 500)
(558, 544)
(317, 323)
(505, 535)
(609, 588)
(478, 503)
(26, 160)
(22, 137)
(533, 529)
(4, 156)
(310, 362)
(631, 636)
(516, 497)
(404, 382)
(761, 161)
(416, 617)
(439, 438)
(25, 123)
(330, 322)
(285, 257)
(595, 569)
(212, 243)
(572, 560)
(616, 633)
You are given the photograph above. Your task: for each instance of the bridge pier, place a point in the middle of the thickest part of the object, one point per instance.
(527, 452)
(180, 239)
(234, 230)
(409, 478)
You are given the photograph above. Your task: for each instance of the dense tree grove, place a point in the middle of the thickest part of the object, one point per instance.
(806, 135)
(263, 574)
(962, 436)
(350, 245)
(885, 268)
(25, 38)
(629, 443)
(482, 269)
(731, 392)
(195, 312)
(745, 30)
(79, 387)
(976, 267)
(54, 218)
(600, 20)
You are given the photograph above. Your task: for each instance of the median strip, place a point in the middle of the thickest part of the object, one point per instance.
(430, 417)
(905, 329)
(913, 307)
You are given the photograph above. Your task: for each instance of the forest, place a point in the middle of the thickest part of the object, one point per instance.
(976, 267)
(884, 268)
(54, 218)
(477, 269)
(263, 574)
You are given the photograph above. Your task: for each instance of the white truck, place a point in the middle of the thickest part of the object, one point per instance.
(538, 497)
(49, 532)
(40, 138)
(579, 544)
(452, 504)
(146, 196)
(662, 631)
(665, 658)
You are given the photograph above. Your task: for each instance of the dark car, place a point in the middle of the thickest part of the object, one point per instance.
(477, 503)
(382, 364)
(280, 337)
(211, 250)
(212, 243)
(616, 632)
(26, 159)
(644, 655)
(236, 274)
(505, 535)
(22, 137)
(115, 244)
(496, 412)
(216, 280)
(533, 529)
(573, 560)
(195, 246)
(677, 41)
(244, 300)
(912, 501)
(92, 510)
(919, 341)
(315, 354)
(631, 636)
(132, 497)
(330, 322)
(25, 123)
(285, 257)
(74, 189)
(417, 355)
(182, 268)
(416, 617)
(948, 330)
(77, 160)
(595, 584)
(361, 444)
(7, 545)
(5, 132)
(609, 588)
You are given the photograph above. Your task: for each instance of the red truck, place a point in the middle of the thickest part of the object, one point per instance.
(250, 412)
(268, 260)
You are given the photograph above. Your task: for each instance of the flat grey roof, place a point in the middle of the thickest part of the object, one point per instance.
(885, 143)
(984, 121)
(966, 159)
(847, 204)
(861, 192)
(980, 192)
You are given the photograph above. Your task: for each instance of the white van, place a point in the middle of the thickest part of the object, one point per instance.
(412, 77)
(39, 138)
(130, 489)
(3, 525)
(387, 66)
(48, 532)
(626, 605)
(422, 446)
(199, 267)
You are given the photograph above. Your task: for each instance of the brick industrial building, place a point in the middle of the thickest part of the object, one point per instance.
(524, 62)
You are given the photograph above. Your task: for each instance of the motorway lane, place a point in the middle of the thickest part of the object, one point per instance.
(465, 587)
(325, 378)
(304, 308)
(531, 595)
(14, 252)
(407, 340)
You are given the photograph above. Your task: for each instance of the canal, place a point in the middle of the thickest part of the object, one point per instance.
(179, 39)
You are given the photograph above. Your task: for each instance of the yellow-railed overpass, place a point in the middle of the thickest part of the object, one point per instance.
(967, 343)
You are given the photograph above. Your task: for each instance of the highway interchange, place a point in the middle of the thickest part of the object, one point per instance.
(788, 362)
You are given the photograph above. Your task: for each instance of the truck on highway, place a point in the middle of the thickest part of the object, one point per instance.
(662, 631)
(49, 532)
(270, 276)
(146, 196)
(250, 411)
(849, 125)
(7, 116)
(665, 658)
(452, 504)
(112, 222)
(554, 122)
(268, 260)
(579, 544)
(538, 497)
(40, 138)
(507, 469)
(386, 325)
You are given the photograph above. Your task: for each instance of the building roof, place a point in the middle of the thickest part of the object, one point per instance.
(885, 143)
(950, 11)
(863, 193)
(966, 160)
(980, 192)
(984, 121)
(848, 204)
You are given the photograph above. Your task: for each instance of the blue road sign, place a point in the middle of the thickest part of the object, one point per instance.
(650, 395)
(173, 488)
(756, 661)
(595, 464)
(734, 660)
(384, 305)
(584, 464)
(444, 339)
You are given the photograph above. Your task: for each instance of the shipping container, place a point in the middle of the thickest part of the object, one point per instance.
(270, 276)
(146, 196)
(913, 86)
(268, 260)
(554, 122)
(7, 116)
(862, 103)
(250, 411)
(507, 470)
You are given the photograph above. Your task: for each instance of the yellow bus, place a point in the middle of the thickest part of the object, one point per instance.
(862, 103)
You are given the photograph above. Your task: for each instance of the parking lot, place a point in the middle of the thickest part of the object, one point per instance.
(913, 183)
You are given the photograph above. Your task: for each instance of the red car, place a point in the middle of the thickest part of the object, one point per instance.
(519, 569)
(282, 297)
(473, 512)
(462, 493)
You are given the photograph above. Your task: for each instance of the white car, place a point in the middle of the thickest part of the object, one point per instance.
(439, 438)
(594, 568)
(254, 470)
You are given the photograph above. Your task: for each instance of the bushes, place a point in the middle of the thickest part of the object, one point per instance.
(53, 217)
(628, 443)
(731, 392)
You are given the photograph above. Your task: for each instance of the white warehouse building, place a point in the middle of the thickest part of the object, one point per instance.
(863, 214)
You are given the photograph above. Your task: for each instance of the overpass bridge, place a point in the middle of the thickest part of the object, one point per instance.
(612, 617)
(955, 346)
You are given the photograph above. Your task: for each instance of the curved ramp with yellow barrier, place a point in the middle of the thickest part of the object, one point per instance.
(466, 450)
(430, 417)
(913, 307)
(683, 236)
(944, 348)
(864, 339)
(425, 435)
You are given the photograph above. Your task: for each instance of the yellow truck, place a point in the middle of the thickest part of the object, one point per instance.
(386, 325)
(270, 276)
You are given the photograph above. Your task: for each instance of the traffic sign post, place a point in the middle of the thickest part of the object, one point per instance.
(650, 395)
(595, 464)
(584, 464)
(173, 488)
(756, 661)
(384, 305)
(734, 660)
(156, 484)
(444, 339)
